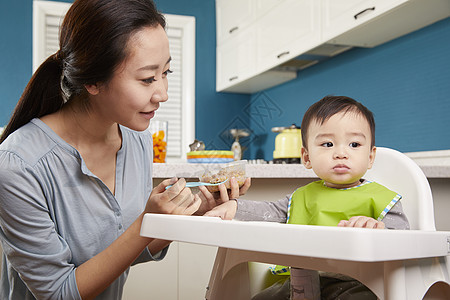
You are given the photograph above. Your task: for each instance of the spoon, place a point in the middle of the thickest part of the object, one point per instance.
(199, 183)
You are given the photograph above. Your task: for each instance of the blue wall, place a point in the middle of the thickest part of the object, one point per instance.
(15, 53)
(16, 33)
(404, 82)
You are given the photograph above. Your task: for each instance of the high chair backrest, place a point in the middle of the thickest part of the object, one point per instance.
(401, 174)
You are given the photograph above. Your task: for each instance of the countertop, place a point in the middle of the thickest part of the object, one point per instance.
(435, 164)
(188, 170)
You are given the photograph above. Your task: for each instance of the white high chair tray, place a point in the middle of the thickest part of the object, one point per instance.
(356, 244)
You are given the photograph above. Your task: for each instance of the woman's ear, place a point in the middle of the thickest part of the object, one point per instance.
(372, 154)
(92, 89)
(305, 158)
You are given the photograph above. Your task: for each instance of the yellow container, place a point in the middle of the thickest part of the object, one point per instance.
(288, 144)
(159, 135)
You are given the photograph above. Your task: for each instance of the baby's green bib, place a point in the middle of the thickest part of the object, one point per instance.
(317, 204)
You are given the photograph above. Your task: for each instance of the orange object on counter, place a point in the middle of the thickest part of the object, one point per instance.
(159, 147)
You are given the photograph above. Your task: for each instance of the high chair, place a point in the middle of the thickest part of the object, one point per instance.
(394, 264)
(396, 171)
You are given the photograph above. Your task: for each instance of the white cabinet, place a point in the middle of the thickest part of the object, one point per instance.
(369, 23)
(259, 35)
(264, 6)
(340, 16)
(282, 30)
(289, 29)
(236, 59)
(232, 16)
(256, 39)
(237, 53)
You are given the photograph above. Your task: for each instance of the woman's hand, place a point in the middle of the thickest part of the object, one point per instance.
(362, 222)
(211, 200)
(176, 200)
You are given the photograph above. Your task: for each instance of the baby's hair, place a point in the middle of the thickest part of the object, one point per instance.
(331, 105)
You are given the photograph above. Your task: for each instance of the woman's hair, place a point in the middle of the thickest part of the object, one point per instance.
(331, 105)
(93, 43)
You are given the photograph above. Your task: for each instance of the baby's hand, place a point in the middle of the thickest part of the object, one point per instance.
(362, 222)
(226, 211)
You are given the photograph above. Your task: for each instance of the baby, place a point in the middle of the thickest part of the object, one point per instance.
(338, 135)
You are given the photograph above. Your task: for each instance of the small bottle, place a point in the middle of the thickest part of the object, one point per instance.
(236, 146)
(237, 150)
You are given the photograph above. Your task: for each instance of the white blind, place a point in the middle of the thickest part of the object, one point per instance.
(179, 110)
(170, 111)
(52, 23)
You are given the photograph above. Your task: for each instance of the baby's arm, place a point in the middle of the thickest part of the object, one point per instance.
(268, 211)
(396, 218)
(251, 210)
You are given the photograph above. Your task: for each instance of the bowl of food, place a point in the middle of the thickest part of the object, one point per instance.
(222, 172)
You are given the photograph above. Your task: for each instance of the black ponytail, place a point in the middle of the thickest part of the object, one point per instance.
(42, 96)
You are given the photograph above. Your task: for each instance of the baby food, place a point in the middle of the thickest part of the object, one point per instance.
(234, 169)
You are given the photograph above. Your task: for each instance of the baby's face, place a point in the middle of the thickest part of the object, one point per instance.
(339, 150)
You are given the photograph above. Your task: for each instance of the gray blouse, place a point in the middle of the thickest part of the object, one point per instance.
(55, 214)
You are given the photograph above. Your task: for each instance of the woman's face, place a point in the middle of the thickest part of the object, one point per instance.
(139, 84)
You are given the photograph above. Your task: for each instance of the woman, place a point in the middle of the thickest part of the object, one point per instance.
(76, 160)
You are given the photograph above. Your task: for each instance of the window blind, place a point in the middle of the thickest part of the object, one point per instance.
(52, 23)
(170, 111)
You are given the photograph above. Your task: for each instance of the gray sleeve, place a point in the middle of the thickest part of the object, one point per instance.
(396, 218)
(251, 210)
(29, 238)
(146, 256)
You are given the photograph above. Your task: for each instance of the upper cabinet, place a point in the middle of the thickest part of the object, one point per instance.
(280, 30)
(340, 16)
(233, 16)
(369, 23)
(236, 59)
(263, 43)
(291, 27)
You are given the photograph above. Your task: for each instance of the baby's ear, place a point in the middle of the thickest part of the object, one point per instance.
(372, 155)
(305, 158)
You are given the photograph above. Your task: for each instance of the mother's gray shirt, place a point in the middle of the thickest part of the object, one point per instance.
(55, 214)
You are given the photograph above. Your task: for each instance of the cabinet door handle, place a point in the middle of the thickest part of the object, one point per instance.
(361, 12)
(233, 29)
(233, 78)
(282, 54)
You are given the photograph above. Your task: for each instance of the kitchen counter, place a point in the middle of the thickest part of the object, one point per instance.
(189, 170)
